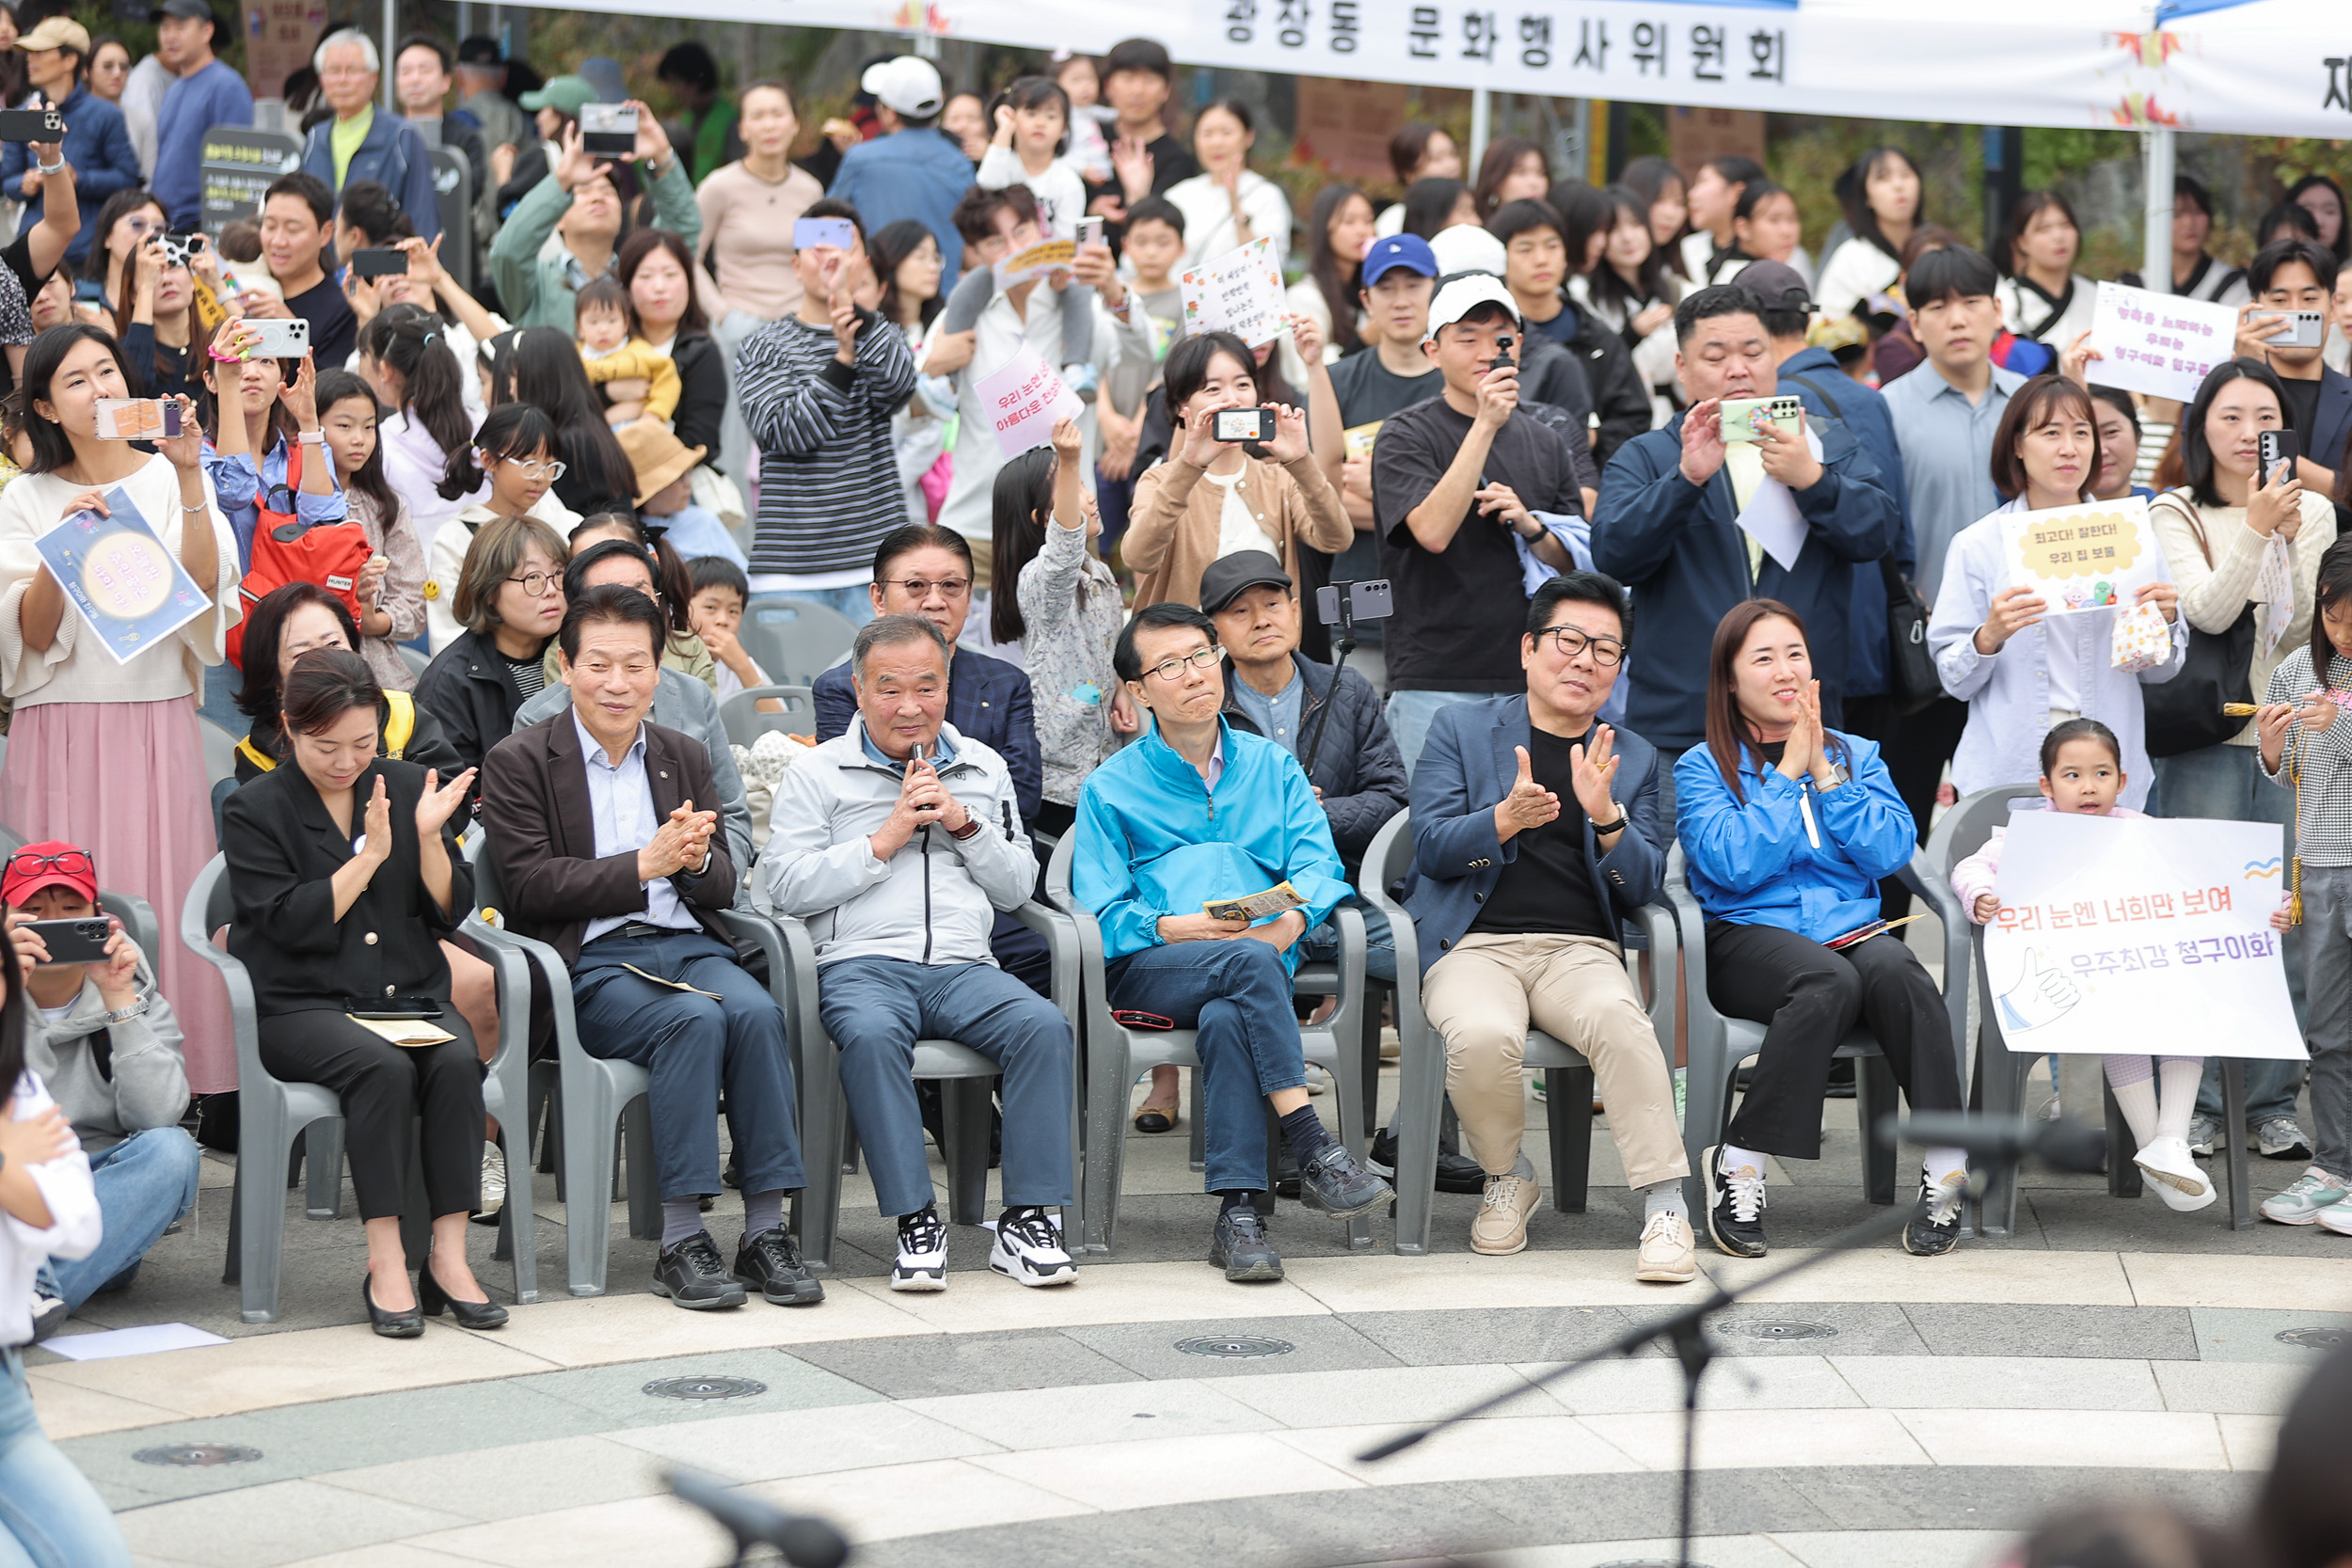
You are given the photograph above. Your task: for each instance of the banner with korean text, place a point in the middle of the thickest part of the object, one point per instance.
(2141, 934)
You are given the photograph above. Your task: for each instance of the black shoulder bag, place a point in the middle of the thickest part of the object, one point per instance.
(2185, 714)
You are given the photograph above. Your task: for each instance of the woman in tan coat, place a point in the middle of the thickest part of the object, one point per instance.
(1213, 497)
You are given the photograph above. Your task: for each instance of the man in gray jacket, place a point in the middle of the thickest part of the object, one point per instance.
(898, 842)
(108, 1049)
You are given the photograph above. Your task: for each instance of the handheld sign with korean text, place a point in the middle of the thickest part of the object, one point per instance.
(122, 579)
(1240, 292)
(2092, 557)
(1023, 400)
(2160, 345)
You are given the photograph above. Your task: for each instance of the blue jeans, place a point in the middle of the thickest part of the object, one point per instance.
(2222, 782)
(692, 1046)
(144, 1184)
(1322, 944)
(852, 601)
(876, 1009)
(218, 700)
(1411, 713)
(1237, 994)
(51, 1516)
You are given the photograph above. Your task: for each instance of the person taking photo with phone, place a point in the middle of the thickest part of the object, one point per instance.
(96, 139)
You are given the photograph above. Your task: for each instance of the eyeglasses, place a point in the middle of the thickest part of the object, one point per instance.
(915, 588)
(1172, 669)
(538, 585)
(1571, 641)
(549, 472)
(73, 862)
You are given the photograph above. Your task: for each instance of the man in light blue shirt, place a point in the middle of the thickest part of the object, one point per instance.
(620, 802)
(206, 94)
(911, 170)
(1945, 414)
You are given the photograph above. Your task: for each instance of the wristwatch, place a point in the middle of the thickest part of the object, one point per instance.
(1625, 820)
(124, 1015)
(1839, 776)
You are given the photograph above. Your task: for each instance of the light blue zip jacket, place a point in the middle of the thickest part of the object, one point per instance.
(1757, 864)
(1153, 841)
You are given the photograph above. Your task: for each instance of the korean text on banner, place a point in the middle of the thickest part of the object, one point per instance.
(2160, 345)
(2141, 934)
(124, 582)
(2092, 557)
(1240, 292)
(1023, 400)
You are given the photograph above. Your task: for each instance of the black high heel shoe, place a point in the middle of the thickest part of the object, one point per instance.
(392, 1325)
(431, 1298)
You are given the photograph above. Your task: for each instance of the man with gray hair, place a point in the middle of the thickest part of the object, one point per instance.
(898, 842)
(358, 143)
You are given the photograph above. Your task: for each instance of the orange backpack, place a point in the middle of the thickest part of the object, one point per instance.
(286, 549)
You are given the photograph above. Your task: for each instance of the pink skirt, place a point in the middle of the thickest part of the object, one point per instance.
(125, 781)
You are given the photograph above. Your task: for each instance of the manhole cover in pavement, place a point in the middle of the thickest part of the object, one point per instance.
(706, 1388)
(197, 1455)
(1776, 1328)
(2312, 1339)
(1234, 1347)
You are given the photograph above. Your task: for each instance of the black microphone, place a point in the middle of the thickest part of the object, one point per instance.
(805, 1542)
(2059, 1144)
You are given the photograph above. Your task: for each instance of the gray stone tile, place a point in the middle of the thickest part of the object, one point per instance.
(504, 1481)
(2242, 1334)
(932, 1365)
(1864, 1328)
(282, 1522)
(1958, 1497)
(1491, 1336)
(616, 1395)
(2144, 1333)
(1318, 1345)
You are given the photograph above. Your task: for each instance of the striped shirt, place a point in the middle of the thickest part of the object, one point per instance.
(2323, 834)
(828, 475)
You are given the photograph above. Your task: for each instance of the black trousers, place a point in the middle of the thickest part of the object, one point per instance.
(383, 1087)
(1808, 998)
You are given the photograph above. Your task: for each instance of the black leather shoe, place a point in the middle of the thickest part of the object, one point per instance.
(1239, 1247)
(1285, 1173)
(771, 1264)
(1335, 1181)
(695, 1275)
(392, 1325)
(1456, 1173)
(431, 1298)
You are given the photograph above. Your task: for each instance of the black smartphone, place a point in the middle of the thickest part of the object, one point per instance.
(2274, 448)
(42, 125)
(1370, 600)
(393, 1007)
(79, 941)
(378, 261)
(90, 291)
(1243, 424)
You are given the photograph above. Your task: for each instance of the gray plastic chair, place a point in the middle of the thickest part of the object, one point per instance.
(965, 1077)
(415, 659)
(746, 721)
(1997, 1086)
(220, 751)
(1115, 1054)
(1718, 1045)
(794, 640)
(589, 1096)
(1420, 1091)
(272, 1113)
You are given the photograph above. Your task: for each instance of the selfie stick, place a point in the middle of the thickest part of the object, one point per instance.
(1312, 746)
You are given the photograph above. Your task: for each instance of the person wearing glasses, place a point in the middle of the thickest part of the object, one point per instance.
(514, 464)
(1195, 811)
(1536, 832)
(511, 601)
(263, 448)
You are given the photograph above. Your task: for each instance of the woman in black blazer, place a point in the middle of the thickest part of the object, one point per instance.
(345, 877)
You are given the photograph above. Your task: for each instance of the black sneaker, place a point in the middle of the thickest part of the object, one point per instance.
(1456, 1173)
(1240, 1248)
(695, 1275)
(771, 1264)
(1736, 1217)
(1934, 1231)
(1285, 1172)
(1335, 1181)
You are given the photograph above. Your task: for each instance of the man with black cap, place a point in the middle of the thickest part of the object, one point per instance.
(910, 172)
(206, 94)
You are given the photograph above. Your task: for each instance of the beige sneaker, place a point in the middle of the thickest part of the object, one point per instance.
(1668, 1255)
(1500, 1226)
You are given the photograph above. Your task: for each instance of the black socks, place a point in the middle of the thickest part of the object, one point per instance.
(1305, 1133)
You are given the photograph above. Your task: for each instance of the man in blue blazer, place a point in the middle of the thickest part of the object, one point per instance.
(1535, 832)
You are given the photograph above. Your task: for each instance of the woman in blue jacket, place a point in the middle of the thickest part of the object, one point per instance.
(1786, 826)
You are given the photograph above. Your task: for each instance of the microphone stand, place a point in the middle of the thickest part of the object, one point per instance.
(1685, 1335)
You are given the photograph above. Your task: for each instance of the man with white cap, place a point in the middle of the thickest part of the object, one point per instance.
(1548, 373)
(1456, 484)
(911, 170)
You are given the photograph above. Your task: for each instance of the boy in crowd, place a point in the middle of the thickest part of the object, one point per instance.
(1138, 78)
(716, 613)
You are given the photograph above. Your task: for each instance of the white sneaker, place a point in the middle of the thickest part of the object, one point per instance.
(493, 1184)
(2169, 1167)
(1668, 1255)
(2336, 1218)
(1028, 1250)
(922, 1252)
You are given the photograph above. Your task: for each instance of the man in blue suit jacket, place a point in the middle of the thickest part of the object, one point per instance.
(1525, 864)
(96, 139)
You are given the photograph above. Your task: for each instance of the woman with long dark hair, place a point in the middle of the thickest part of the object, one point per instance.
(262, 437)
(1764, 228)
(1513, 170)
(128, 217)
(543, 369)
(1434, 205)
(2043, 296)
(1786, 826)
(1419, 150)
(1880, 194)
(161, 327)
(1666, 201)
(1339, 229)
(425, 442)
(1635, 291)
(906, 261)
(658, 271)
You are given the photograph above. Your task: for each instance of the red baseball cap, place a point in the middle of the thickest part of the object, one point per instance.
(52, 863)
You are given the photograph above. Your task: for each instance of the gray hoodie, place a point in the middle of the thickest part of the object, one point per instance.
(146, 1081)
(935, 900)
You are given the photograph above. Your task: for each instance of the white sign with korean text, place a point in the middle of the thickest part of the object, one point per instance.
(2093, 557)
(1023, 399)
(2160, 345)
(1240, 292)
(2141, 934)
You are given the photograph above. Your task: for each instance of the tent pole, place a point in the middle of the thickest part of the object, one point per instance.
(1482, 126)
(2156, 247)
(391, 49)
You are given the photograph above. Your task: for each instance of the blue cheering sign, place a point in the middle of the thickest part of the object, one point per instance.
(122, 580)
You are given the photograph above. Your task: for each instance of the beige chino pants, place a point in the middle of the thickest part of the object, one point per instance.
(1480, 997)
